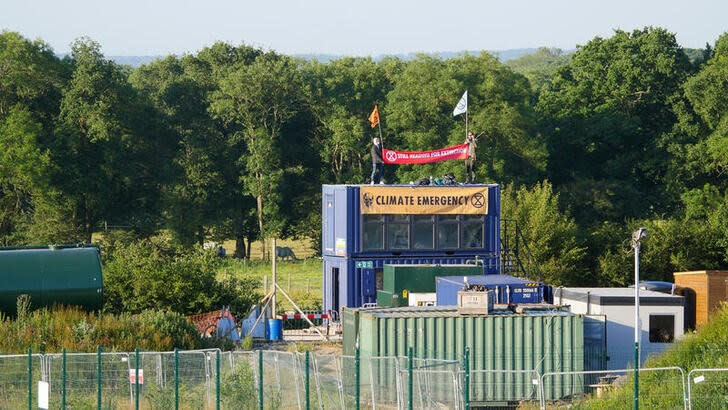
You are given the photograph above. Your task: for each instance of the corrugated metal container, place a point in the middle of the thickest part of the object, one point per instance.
(51, 275)
(508, 289)
(538, 340)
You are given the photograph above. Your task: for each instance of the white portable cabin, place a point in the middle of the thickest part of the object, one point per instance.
(661, 319)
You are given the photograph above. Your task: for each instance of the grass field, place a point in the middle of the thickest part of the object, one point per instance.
(301, 279)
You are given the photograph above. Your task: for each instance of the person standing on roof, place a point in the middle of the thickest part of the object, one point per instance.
(377, 162)
(470, 161)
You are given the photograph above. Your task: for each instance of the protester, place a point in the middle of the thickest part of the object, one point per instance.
(470, 161)
(377, 162)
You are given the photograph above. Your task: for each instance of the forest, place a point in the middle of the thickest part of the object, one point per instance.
(234, 142)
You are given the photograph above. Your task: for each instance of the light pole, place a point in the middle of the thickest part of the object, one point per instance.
(637, 236)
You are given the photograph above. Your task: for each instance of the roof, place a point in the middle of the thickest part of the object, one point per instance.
(704, 272)
(451, 311)
(485, 280)
(414, 185)
(617, 296)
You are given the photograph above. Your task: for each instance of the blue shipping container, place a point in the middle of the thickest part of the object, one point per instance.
(352, 269)
(508, 289)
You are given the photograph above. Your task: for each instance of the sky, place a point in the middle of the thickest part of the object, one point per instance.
(365, 27)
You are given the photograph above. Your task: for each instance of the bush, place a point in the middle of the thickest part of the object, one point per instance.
(238, 388)
(152, 274)
(50, 330)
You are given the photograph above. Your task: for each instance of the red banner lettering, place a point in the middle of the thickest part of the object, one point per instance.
(442, 154)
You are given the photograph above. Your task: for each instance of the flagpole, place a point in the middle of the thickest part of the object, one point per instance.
(466, 123)
(379, 124)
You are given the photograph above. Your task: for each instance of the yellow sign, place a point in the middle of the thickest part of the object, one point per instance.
(423, 200)
(404, 293)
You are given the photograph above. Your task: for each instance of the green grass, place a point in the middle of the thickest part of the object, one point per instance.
(301, 280)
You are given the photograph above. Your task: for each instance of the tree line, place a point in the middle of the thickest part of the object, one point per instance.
(235, 142)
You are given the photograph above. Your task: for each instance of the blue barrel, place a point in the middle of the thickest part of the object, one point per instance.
(275, 329)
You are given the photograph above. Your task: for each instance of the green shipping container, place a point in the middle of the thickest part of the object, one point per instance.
(51, 275)
(545, 341)
(402, 280)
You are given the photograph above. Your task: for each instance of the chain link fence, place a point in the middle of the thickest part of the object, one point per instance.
(211, 379)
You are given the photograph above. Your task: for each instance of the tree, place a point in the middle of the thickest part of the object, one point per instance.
(550, 233)
(419, 111)
(607, 118)
(105, 162)
(257, 101)
(24, 167)
(540, 66)
(30, 80)
(343, 94)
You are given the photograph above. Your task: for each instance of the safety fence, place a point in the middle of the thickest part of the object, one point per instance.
(211, 379)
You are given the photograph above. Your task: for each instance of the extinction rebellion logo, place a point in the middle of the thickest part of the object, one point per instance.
(391, 156)
(478, 200)
(368, 199)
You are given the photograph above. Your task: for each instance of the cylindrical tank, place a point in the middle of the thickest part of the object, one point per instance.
(275, 329)
(55, 275)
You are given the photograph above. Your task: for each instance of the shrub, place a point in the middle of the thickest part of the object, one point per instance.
(50, 330)
(152, 274)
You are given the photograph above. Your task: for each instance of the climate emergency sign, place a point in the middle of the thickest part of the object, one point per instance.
(415, 200)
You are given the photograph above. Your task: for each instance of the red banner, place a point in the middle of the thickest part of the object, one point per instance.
(442, 154)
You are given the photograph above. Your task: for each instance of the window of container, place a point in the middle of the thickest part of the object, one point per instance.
(472, 228)
(448, 232)
(423, 232)
(398, 232)
(373, 232)
(662, 328)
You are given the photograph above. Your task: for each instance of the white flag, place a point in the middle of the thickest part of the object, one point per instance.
(462, 105)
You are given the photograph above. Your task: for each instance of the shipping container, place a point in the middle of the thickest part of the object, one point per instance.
(64, 275)
(508, 289)
(542, 340)
(462, 227)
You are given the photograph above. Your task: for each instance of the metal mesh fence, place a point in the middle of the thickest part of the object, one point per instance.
(210, 379)
(613, 389)
(708, 388)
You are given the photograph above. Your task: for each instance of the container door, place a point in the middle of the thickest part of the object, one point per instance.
(368, 285)
(335, 289)
(595, 342)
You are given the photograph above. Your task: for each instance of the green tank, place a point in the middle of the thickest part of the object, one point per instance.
(67, 275)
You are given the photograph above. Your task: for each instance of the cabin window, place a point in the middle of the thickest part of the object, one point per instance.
(448, 232)
(662, 328)
(423, 232)
(398, 230)
(373, 233)
(472, 231)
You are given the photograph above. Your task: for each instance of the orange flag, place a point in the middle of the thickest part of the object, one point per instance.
(374, 116)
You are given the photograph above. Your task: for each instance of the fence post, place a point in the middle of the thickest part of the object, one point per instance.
(98, 377)
(260, 379)
(308, 400)
(30, 378)
(217, 379)
(136, 378)
(410, 379)
(356, 377)
(466, 378)
(176, 379)
(63, 379)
